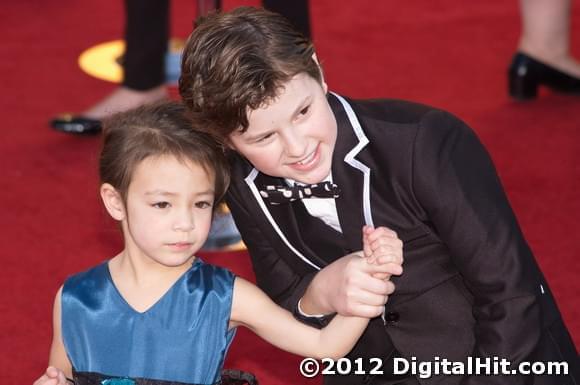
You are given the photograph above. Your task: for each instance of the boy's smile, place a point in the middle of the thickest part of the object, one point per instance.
(309, 162)
(294, 135)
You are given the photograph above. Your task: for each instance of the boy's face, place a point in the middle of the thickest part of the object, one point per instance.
(168, 210)
(292, 137)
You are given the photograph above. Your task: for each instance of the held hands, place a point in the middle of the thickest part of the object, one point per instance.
(354, 285)
(382, 246)
(53, 376)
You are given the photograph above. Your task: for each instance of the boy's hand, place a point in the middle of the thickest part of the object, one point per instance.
(348, 286)
(382, 246)
(53, 376)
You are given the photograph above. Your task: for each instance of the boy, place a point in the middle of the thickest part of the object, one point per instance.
(470, 286)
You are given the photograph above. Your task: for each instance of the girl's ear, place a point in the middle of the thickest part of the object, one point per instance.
(113, 201)
(323, 83)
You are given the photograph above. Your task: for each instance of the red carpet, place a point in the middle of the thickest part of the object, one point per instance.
(442, 52)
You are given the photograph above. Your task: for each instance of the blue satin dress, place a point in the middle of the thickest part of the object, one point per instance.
(183, 337)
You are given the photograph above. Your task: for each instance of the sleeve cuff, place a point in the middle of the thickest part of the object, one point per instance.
(303, 313)
(317, 320)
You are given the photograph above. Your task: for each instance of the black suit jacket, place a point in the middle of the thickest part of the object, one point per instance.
(470, 286)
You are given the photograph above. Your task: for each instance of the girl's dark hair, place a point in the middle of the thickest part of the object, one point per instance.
(239, 60)
(156, 130)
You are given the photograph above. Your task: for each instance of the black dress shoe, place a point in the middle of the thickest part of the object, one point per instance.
(526, 74)
(76, 125)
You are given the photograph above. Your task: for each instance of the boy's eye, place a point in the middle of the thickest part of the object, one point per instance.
(203, 205)
(264, 138)
(305, 110)
(161, 205)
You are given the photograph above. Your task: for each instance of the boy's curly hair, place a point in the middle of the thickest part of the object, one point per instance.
(237, 61)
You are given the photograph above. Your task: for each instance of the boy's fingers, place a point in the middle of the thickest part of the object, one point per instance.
(389, 258)
(368, 311)
(382, 276)
(370, 286)
(394, 268)
(390, 267)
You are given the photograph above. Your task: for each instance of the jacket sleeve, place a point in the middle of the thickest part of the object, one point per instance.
(456, 184)
(274, 276)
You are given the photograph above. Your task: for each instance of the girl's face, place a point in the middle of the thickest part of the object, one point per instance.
(294, 135)
(168, 210)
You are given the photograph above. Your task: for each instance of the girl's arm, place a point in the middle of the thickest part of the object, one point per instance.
(58, 357)
(52, 376)
(59, 364)
(255, 310)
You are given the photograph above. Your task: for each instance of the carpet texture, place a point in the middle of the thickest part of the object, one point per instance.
(446, 53)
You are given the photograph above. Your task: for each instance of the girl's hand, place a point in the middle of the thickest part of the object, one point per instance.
(53, 376)
(382, 246)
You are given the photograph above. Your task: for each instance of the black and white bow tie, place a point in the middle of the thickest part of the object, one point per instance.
(279, 194)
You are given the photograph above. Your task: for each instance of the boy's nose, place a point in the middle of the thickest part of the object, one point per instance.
(295, 148)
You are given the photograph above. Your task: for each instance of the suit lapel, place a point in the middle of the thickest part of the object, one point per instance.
(353, 205)
(282, 219)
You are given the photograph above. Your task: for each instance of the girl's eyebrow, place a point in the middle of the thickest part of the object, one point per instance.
(206, 192)
(160, 192)
(169, 193)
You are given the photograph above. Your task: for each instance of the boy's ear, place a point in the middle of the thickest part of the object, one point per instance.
(228, 145)
(113, 201)
(323, 83)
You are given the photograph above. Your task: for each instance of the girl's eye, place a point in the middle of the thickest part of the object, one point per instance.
(203, 205)
(305, 110)
(161, 205)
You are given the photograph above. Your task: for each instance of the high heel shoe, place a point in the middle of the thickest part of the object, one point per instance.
(526, 74)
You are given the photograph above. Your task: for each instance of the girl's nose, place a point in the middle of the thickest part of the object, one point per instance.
(184, 222)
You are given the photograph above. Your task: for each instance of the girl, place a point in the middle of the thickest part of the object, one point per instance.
(155, 311)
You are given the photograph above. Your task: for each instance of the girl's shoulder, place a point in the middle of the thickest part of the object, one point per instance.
(87, 289)
(209, 274)
(90, 276)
